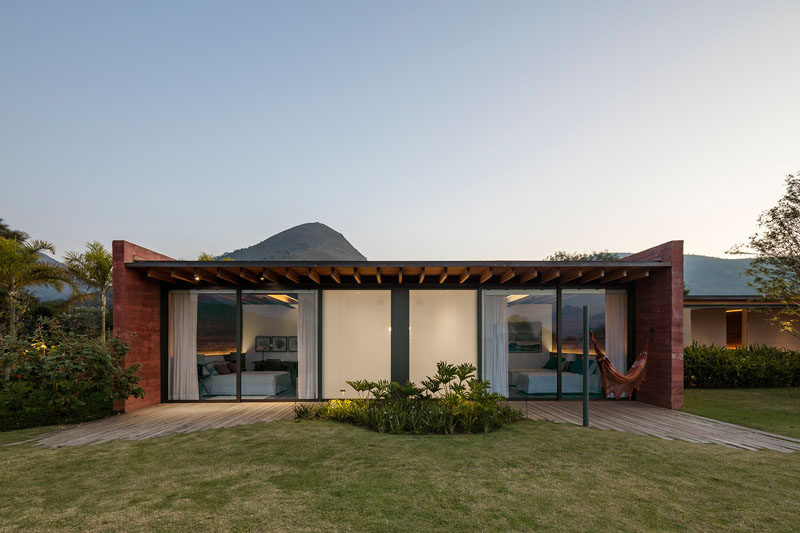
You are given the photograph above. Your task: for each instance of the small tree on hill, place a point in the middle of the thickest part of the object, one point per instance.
(775, 267)
(561, 255)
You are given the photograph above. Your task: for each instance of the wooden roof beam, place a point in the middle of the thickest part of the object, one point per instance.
(591, 276)
(313, 275)
(249, 276)
(464, 276)
(357, 275)
(267, 275)
(400, 276)
(619, 274)
(549, 276)
(200, 274)
(183, 276)
(527, 276)
(569, 276)
(378, 274)
(159, 275)
(486, 275)
(636, 275)
(507, 275)
(335, 276)
(227, 276)
(443, 276)
(292, 276)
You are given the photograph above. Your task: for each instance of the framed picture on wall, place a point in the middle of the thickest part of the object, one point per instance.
(291, 343)
(278, 344)
(524, 335)
(263, 344)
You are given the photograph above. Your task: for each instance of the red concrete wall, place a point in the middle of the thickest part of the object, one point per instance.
(137, 318)
(659, 305)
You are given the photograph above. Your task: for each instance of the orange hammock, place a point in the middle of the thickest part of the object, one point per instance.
(618, 383)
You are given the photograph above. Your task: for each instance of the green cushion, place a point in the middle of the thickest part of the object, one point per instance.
(551, 364)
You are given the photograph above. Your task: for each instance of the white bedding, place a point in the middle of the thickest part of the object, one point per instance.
(544, 381)
(266, 383)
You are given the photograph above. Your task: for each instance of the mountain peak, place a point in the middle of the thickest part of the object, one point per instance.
(312, 241)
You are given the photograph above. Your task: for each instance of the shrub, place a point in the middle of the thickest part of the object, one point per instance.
(753, 366)
(56, 377)
(452, 401)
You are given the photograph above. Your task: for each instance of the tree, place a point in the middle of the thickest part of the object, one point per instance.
(21, 266)
(775, 267)
(561, 255)
(205, 256)
(9, 233)
(92, 269)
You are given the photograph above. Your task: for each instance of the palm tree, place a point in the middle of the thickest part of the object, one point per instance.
(21, 266)
(92, 269)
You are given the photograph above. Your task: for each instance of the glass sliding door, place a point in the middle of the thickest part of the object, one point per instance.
(279, 346)
(519, 341)
(202, 345)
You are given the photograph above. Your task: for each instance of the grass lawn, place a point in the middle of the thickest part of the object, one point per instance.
(773, 410)
(318, 475)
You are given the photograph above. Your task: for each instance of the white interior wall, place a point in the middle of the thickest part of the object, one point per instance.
(270, 320)
(533, 313)
(443, 327)
(356, 339)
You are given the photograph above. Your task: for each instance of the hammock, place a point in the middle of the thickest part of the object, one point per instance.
(618, 383)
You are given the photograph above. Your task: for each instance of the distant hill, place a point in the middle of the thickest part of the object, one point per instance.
(714, 275)
(307, 242)
(49, 293)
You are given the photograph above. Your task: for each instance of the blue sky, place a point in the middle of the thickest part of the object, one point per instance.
(430, 130)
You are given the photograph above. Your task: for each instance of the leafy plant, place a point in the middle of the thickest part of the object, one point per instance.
(57, 376)
(451, 401)
(746, 367)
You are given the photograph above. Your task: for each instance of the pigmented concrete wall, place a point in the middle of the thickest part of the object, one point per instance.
(659, 305)
(137, 318)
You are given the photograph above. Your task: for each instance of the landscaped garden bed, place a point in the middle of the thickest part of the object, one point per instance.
(451, 401)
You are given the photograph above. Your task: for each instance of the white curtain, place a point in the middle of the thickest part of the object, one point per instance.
(307, 346)
(183, 346)
(495, 343)
(616, 329)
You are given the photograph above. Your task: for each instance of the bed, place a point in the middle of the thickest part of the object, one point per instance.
(264, 383)
(544, 381)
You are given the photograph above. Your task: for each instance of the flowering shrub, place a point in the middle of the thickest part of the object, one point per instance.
(452, 401)
(55, 377)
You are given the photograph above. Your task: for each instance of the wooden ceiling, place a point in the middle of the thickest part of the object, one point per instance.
(233, 273)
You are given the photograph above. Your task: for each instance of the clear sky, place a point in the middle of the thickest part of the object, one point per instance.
(430, 130)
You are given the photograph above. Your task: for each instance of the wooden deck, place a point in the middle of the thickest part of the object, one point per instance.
(634, 417)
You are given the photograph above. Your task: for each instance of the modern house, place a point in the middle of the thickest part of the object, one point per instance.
(283, 331)
(734, 321)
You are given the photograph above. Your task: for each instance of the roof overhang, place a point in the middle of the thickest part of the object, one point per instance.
(737, 301)
(411, 273)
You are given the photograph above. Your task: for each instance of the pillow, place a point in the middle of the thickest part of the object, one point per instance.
(222, 368)
(576, 367)
(232, 366)
(211, 370)
(551, 364)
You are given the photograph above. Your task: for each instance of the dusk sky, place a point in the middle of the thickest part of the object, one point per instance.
(430, 130)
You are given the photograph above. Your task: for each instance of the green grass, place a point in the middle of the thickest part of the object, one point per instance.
(773, 410)
(325, 476)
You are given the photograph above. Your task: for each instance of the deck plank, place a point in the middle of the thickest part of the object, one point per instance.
(632, 417)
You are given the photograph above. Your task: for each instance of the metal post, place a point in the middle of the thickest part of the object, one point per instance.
(585, 366)
(559, 359)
